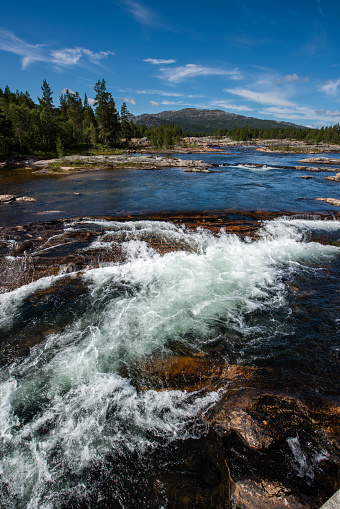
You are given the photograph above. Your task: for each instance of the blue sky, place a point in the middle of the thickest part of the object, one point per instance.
(265, 59)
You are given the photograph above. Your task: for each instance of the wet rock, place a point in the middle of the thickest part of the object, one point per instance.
(194, 473)
(313, 168)
(307, 177)
(336, 177)
(330, 201)
(248, 494)
(320, 160)
(280, 437)
(9, 198)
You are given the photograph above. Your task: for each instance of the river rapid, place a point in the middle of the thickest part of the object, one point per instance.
(87, 417)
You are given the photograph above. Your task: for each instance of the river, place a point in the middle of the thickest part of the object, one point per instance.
(90, 417)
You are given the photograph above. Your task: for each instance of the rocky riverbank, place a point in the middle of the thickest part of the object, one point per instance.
(72, 164)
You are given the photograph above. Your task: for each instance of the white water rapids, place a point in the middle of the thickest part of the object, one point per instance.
(68, 405)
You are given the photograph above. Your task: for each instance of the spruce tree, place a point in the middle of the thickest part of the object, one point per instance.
(106, 115)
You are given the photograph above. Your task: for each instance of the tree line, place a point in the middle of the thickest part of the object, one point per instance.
(309, 135)
(75, 126)
(43, 128)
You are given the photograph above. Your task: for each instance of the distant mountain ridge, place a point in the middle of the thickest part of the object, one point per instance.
(193, 120)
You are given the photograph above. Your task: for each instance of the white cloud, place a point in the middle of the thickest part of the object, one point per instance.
(304, 113)
(294, 77)
(29, 53)
(69, 90)
(270, 98)
(162, 93)
(177, 74)
(154, 103)
(142, 14)
(229, 106)
(159, 61)
(71, 56)
(166, 102)
(330, 87)
(329, 113)
(91, 101)
(158, 92)
(129, 100)
(65, 57)
(291, 77)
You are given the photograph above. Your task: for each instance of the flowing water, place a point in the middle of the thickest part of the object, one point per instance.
(81, 417)
(237, 184)
(73, 404)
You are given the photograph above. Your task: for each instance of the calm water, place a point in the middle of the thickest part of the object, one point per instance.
(80, 419)
(115, 192)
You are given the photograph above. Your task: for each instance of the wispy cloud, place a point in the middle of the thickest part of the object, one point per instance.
(141, 13)
(177, 74)
(154, 103)
(274, 98)
(129, 100)
(330, 87)
(65, 57)
(291, 78)
(304, 113)
(230, 106)
(159, 61)
(162, 93)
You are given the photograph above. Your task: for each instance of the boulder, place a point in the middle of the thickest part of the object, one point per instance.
(335, 178)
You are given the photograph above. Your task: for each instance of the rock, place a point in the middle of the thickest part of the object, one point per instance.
(248, 494)
(307, 177)
(333, 502)
(330, 201)
(25, 198)
(194, 474)
(314, 168)
(9, 198)
(197, 170)
(270, 434)
(320, 160)
(335, 178)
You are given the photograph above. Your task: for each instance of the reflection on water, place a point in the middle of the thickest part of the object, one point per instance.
(114, 192)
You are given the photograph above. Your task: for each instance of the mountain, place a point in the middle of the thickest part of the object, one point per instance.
(192, 120)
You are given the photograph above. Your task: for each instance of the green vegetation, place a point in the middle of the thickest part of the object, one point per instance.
(324, 135)
(74, 126)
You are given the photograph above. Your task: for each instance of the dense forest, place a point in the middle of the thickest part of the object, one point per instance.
(324, 135)
(73, 126)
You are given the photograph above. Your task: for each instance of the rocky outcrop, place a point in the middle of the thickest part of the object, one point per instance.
(335, 178)
(73, 164)
(9, 198)
(330, 201)
(314, 168)
(320, 160)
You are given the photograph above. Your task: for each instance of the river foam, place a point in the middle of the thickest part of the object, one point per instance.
(71, 403)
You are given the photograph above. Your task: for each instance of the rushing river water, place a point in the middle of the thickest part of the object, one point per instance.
(81, 417)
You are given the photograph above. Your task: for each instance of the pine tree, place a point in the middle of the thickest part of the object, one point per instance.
(125, 127)
(106, 115)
